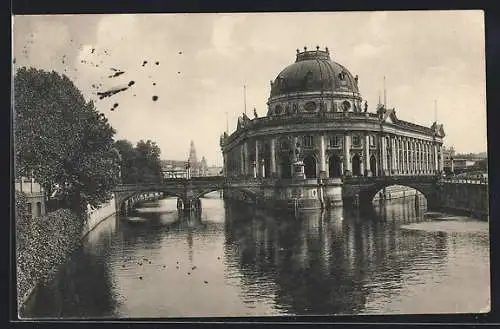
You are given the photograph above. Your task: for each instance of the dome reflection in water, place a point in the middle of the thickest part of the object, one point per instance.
(248, 262)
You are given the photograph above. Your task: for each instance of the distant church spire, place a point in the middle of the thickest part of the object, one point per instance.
(192, 153)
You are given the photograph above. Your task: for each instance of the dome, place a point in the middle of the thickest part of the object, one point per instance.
(313, 71)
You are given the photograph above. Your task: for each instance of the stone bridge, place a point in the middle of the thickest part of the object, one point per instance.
(365, 188)
(187, 190)
(254, 190)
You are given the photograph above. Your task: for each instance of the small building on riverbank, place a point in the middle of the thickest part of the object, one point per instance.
(36, 196)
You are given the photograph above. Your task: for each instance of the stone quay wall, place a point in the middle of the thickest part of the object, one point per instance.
(468, 197)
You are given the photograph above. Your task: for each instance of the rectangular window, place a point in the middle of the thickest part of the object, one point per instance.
(308, 141)
(372, 141)
(334, 141)
(356, 141)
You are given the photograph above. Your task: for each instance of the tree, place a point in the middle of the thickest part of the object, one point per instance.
(148, 161)
(140, 164)
(60, 139)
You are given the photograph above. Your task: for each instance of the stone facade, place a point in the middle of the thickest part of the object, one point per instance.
(317, 127)
(36, 196)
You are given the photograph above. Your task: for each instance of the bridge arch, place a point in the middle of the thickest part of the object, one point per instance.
(122, 197)
(367, 194)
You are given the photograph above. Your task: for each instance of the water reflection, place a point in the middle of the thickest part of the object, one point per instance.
(232, 260)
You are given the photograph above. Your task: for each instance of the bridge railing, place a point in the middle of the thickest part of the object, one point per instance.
(389, 178)
(457, 180)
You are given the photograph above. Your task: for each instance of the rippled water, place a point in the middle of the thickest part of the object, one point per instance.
(236, 261)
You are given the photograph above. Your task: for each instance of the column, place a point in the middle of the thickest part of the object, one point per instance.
(246, 165)
(441, 158)
(396, 160)
(262, 168)
(426, 159)
(257, 162)
(273, 156)
(411, 157)
(366, 155)
(383, 154)
(347, 152)
(242, 160)
(393, 156)
(435, 152)
(322, 161)
(418, 156)
(406, 155)
(224, 165)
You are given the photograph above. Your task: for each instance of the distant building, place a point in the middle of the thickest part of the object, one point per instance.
(36, 204)
(448, 155)
(177, 168)
(461, 165)
(214, 171)
(173, 168)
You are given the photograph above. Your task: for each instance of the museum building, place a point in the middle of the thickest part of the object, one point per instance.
(319, 127)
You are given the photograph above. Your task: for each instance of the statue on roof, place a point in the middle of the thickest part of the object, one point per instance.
(366, 107)
(255, 115)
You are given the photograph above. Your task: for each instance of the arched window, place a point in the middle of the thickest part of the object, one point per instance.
(373, 165)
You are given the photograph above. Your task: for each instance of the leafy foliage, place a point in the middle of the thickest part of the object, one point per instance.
(42, 244)
(62, 139)
(139, 164)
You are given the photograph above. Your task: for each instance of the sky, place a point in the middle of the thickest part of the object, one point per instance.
(197, 65)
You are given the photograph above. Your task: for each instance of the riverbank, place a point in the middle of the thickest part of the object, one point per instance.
(44, 244)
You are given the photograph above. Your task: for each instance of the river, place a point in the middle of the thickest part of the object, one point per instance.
(232, 260)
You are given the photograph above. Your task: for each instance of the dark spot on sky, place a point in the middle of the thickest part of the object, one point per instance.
(180, 52)
(157, 63)
(155, 98)
(116, 74)
(111, 92)
(135, 95)
(115, 105)
(144, 63)
(112, 109)
(14, 61)
(113, 69)
(154, 83)
(179, 72)
(92, 51)
(131, 83)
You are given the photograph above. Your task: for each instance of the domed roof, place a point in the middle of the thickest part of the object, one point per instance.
(313, 71)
